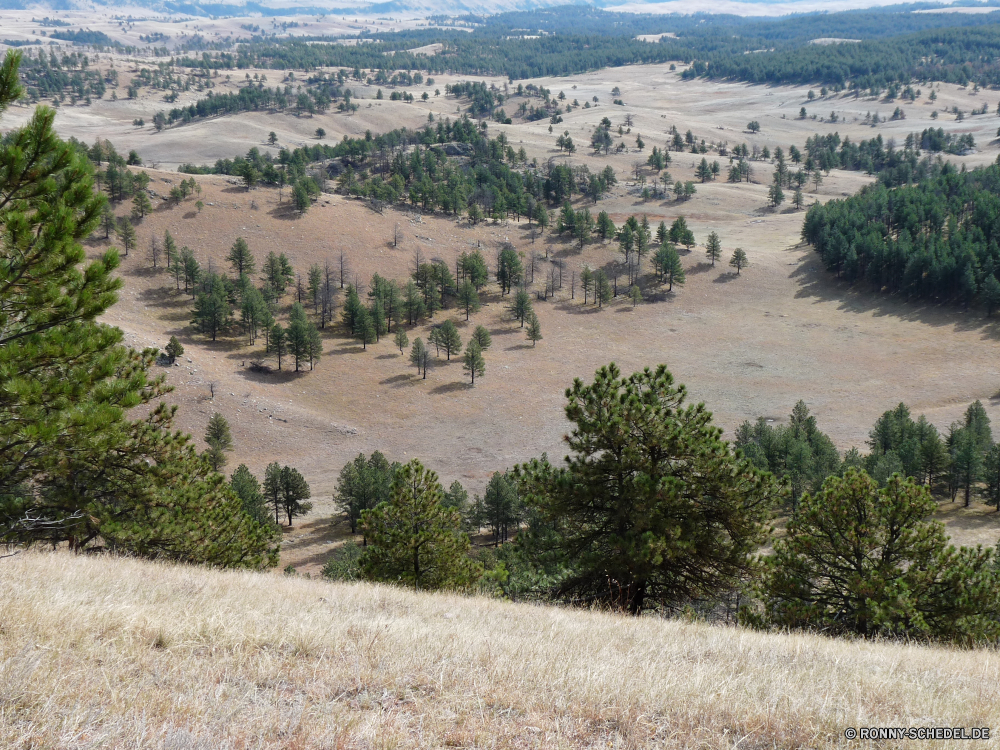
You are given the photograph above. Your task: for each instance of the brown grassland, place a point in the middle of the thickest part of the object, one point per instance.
(748, 346)
(126, 654)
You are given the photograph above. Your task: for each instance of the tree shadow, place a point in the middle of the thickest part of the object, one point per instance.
(577, 308)
(725, 278)
(515, 347)
(348, 349)
(452, 388)
(820, 285)
(275, 376)
(190, 215)
(398, 380)
(235, 189)
(284, 212)
(701, 267)
(387, 356)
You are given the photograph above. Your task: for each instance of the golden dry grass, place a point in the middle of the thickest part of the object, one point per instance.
(114, 653)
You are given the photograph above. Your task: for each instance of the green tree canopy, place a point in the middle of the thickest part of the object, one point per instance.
(652, 509)
(414, 540)
(869, 561)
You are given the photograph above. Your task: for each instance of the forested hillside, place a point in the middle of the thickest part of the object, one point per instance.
(936, 240)
(891, 45)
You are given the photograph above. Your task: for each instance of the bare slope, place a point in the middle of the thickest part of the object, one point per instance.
(101, 652)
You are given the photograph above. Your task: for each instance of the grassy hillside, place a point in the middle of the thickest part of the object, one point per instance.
(106, 653)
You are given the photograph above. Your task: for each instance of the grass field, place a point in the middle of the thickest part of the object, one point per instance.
(114, 653)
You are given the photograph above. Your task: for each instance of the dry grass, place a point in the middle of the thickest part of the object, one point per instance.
(125, 654)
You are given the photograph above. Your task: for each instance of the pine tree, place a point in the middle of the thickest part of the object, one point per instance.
(273, 489)
(635, 294)
(141, 205)
(217, 432)
(174, 349)
(170, 249)
(482, 337)
(534, 330)
(414, 540)
(602, 288)
(868, 561)
(713, 247)
(521, 305)
(473, 362)
(739, 260)
(212, 312)
(126, 234)
(315, 286)
(362, 485)
(69, 383)
(500, 509)
(364, 328)
(246, 487)
(468, 298)
(419, 356)
(241, 259)
(991, 294)
(449, 338)
(294, 492)
(402, 341)
(619, 523)
(278, 343)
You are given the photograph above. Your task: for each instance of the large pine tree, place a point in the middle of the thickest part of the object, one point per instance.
(73, 466)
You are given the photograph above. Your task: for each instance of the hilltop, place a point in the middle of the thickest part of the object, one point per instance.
(109, 652)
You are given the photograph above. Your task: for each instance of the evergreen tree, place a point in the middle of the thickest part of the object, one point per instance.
(278, 343)
(635, 294)
(294, 493)
(315, 286)
(468, 298)
(170, 249)
(991, 294)
(174, 349)
(500, 508)
(473, 362)
(652, 508)
(246, 487)
(680, 234)
(739, 260)
(510, 271)
(520, 308)
(713, 247)
(241, 259)
(868, 561)
(534, 331)
(217, 433)
(414, 540)
(402, 340)
(419, 356)
(126, 234)
(273, 489)
(363, 484)
(212, 312)
(141, 205)
(670, 266)
(449, 338)
(482, 337)
(602, 288)
(364, 328)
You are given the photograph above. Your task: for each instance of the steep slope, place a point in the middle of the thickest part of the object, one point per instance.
(100, 652)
